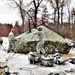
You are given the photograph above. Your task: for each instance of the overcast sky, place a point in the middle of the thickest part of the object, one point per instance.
(9, 15)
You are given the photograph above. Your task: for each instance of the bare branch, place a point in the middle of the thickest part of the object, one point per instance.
(32, 9)
(29, 4)
(39, 2)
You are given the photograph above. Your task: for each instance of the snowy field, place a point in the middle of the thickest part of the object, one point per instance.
(17, 61)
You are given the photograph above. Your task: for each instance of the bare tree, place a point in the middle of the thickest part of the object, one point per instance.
(69, 13)
(19, 5)
(28, 13)
(73, 15)
(58, 6)
(35, 8)
(55, 5)
(62, 4)
(45, 15)
(65, 3)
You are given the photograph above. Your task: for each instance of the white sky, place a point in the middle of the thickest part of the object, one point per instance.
(9, 15)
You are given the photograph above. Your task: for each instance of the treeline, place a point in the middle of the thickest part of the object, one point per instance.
(55, 11)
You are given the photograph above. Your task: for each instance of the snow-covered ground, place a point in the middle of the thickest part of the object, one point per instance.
(5, 43)
(17, 61)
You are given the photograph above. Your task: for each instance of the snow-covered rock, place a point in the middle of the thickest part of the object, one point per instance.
(5, 43)
(49, 35)
(20, 63)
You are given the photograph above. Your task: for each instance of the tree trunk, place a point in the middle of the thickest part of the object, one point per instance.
(55, 16)
(58, 13)
(69, 18)
(22, 17)
(62, 15)
(29, 26)
(35, 19)
(58, 17)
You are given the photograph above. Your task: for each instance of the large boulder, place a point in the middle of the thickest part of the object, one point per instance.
(49, 35)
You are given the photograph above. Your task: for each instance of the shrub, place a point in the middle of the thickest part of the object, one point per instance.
(49, 47)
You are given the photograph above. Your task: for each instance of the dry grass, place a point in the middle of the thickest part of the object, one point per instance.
(69, 55)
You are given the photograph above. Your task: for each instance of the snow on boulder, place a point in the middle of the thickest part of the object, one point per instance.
(49, 35)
